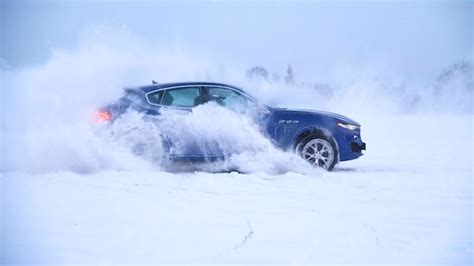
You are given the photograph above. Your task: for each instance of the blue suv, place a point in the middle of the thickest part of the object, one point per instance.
(321, 138)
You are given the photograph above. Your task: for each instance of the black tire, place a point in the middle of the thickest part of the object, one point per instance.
(319, 140)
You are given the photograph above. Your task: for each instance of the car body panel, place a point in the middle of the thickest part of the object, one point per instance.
(284, 127)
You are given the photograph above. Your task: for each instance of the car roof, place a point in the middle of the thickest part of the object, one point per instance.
(152, 87)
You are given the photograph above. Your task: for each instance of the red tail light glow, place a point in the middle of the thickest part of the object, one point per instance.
(103, 116)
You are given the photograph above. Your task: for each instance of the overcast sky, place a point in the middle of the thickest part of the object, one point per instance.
(410, 37)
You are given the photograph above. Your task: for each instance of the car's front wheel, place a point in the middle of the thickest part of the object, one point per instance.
(319, 151)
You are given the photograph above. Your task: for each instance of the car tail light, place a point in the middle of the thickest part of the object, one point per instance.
(103, 116)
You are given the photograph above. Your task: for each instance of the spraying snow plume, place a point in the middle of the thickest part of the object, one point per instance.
(47, 109)
(135, 142)
(209, 129)
(49, 127)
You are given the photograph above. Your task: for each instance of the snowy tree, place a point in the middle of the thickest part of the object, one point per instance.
(324, 89)
(275, 77)
(257, 73)
(462, 69)
(454, 87)
(289, 78)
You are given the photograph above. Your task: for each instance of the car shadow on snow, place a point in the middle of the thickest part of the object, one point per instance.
(207, 167)
(365, 170)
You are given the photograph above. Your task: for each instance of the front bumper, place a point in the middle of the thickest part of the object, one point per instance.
(358, 147)
(350, 144)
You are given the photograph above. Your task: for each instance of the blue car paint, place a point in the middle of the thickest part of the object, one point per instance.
(284, 127)
(288, 134)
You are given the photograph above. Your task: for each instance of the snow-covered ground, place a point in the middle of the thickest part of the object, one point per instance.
(71, 195)
(408, 200)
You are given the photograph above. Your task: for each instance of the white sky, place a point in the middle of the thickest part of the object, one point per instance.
(413, 38)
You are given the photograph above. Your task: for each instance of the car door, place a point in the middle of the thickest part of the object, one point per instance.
(228, 98)
(240, 103)
(175, 98)
(174, 104)
(183, 97)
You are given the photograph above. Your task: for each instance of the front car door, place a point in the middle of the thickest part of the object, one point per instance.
(185, 97)
(178, 138)
(229, 98)
(241, 103)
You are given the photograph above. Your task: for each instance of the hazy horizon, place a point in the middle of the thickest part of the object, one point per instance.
(320, 39)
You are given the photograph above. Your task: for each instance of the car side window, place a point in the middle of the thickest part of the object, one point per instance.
(227, 97)
(155, 97)
(181, 97)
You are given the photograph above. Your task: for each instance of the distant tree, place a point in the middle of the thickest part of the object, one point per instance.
(324, 89)
(289, 78)
(257, 73)
(454, 87)
(275, 77)
(462, 68)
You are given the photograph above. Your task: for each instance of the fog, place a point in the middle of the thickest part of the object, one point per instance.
(322, 40)
(48, 105)
(389, 53)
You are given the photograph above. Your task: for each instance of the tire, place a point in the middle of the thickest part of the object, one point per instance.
(319, 151)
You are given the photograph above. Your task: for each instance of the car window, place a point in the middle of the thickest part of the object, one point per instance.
(182, 97)
(155, 97)
(227, 97)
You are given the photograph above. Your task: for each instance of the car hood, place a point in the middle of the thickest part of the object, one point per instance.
(304, 112)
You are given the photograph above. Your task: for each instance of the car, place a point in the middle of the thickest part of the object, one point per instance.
(321, 138)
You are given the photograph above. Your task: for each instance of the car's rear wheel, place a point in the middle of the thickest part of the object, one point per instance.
(319, 151)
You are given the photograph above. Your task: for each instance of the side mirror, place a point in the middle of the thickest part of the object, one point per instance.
(264, 110)
(216, 98)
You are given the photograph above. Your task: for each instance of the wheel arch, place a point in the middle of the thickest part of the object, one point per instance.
(316, 131)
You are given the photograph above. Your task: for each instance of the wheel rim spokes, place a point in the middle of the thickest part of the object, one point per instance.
(319, 153)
